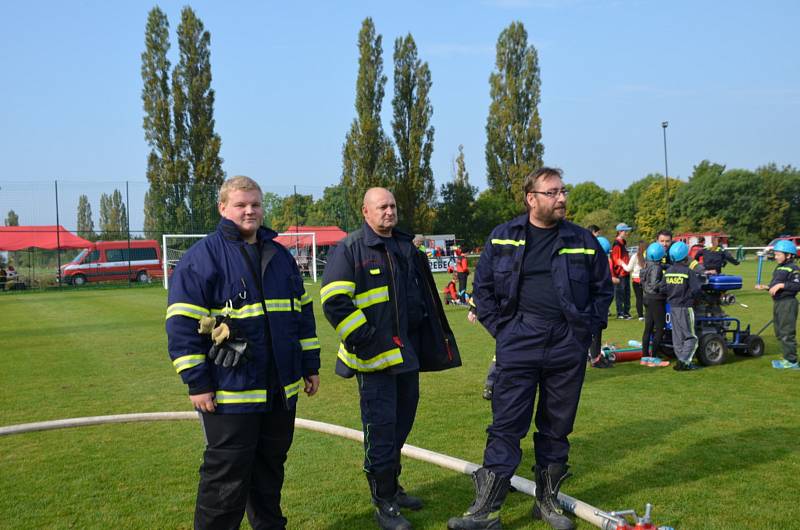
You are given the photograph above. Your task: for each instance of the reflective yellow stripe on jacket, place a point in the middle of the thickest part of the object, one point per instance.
(587, 251)
(334, 288)
(293, 389)
(184, 362)
(230, 397)
(350, 323)
(379, 362)
(309, 344)
(513, 242)
(187, 310)
(372, 297)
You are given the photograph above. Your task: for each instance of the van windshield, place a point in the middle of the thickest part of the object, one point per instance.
(80, 256)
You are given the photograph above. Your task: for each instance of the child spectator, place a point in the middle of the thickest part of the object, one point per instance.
(653, 293)
(784, 287)
(451, 291)
(635, 266)
(682, 286)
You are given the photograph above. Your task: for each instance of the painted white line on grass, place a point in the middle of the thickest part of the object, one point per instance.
(581, 509)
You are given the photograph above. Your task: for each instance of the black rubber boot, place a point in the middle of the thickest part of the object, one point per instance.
(404, 500)
(484, 514)
(383, 486)
(546, 508)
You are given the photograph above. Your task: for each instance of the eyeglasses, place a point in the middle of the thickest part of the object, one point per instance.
(552, 194)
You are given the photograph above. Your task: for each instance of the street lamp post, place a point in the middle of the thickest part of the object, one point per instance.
(664, 125)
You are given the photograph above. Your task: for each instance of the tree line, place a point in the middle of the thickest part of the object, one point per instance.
(184, 169)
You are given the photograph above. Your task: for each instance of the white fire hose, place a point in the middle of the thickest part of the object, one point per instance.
(582, 510)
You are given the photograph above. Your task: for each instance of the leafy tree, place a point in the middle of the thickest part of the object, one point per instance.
(12, 219)
(513, 129)
(331, 209)
(272, 203)
(624, 206)
(413, 135)
(113, 217)
(85, 223)
(164, 199)
(490, 209)
(294, 211)
(652, 215)
(585, 198)
(603, 218)
(455, 209)
(367, 155)
(194, 120)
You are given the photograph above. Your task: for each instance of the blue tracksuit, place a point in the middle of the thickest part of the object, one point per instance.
(534, 353)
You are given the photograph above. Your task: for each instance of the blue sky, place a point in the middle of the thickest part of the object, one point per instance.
(726, 75)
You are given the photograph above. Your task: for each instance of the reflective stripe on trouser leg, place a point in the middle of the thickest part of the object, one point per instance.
(386, 419)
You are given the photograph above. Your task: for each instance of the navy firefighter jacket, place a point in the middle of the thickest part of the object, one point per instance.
(213, 279)
(361, 300)
(579, 269)
(789, 275)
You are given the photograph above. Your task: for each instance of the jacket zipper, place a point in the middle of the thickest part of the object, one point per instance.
(399, 341)
(438, 317)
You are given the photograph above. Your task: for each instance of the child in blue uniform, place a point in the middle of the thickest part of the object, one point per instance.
(784, 287)
(682, 286)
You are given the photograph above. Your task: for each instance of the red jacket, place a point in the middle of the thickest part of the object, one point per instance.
(462, 265)
(619, 257)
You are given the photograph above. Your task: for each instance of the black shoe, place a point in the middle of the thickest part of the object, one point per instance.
(383, 486)
(627, 316)
(546, 507)
(487, 393)
(484, 513)
(406, 501)
(620, 316)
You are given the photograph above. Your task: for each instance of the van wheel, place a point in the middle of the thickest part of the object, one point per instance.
(142, 277)
(78, 279)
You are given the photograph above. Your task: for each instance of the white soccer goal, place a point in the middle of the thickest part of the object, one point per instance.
(302, 245)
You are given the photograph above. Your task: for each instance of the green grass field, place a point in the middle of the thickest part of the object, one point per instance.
(713, 449)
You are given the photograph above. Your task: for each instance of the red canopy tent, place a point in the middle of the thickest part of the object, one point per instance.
(325, 235)
(50, 237)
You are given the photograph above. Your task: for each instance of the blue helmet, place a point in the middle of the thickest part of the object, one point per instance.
(678, 251)
(655, 252)
(604, 243)
(786, 246)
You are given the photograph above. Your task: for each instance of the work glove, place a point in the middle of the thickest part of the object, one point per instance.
(230, 348)
(231, 353)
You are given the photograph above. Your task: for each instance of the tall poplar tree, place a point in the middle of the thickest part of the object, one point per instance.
(414, 188)
(166, 193)
(194, 135)
(85, 223)
(454, 214)
(113, 216)
(513, 129)
(367, 155)
(12, 219)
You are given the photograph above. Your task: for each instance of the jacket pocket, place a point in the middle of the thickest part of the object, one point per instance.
(579, 285)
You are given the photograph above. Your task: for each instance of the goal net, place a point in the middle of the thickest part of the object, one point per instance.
(302, 245)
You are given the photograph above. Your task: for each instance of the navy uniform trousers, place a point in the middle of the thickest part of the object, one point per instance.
(388, 408)
(243, 468)
(534, 356)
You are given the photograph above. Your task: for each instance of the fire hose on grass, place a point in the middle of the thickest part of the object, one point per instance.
(595, 516)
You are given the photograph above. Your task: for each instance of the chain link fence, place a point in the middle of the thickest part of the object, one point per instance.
(117, 210)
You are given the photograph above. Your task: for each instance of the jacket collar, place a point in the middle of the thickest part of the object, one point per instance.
(521, 221)
(230, 232)
(372, 239)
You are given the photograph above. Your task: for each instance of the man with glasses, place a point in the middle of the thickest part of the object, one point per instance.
(542, 290)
